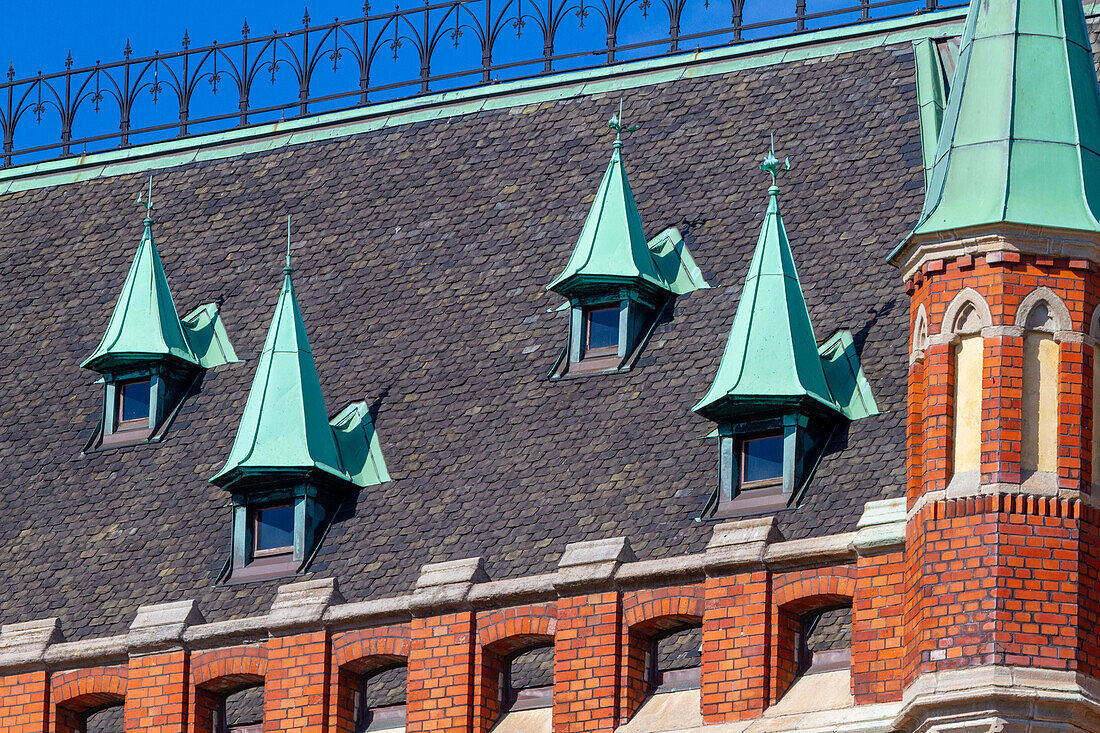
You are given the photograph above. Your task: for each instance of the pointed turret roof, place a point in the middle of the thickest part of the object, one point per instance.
(1020, 140)
(612, 246)
(145, 324)
(285, 427)
(771, 357)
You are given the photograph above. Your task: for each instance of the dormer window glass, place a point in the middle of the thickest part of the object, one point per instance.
(601, 331)
(273, 530)
(133, 404)
(762, 461)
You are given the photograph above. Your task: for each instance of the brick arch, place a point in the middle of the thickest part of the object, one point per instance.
(802, 592)
(364, 650)
(513, 629)
(78, 692)
(655, 611)
(227, 670)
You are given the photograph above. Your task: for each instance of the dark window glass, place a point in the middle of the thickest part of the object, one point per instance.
(274, 527)
(762, 459)
(380, 700)
(133, 401)
(603, 328)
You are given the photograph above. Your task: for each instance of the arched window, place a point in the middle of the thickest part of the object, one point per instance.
(675, 660)
(965, 317)
(380, 699)
(241, 711)
(825, 640)
(920, 333)
(1041, 314)
(528, 680)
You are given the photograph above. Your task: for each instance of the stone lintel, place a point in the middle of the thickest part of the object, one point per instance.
(300, 606)
(497, 593)
(446, 585)
(24, 645)
(740, 545)
(881, 528)
(588, 566)
(161, 627)
(369, 613)
(248, 630)
(1013, 699)
(652, 573)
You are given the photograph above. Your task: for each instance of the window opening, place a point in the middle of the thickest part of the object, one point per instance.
(676, 659)
(530, 679)
(241, 712)
(825, 644)
(273, 530)
(104, 720)
(380, 700)
(601, 331)
(762, 461)
(133, 404)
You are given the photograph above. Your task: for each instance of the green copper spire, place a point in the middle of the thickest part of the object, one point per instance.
(1021, 133)
(612, 247)
(771, 358)
(285, 427)
(145, 324)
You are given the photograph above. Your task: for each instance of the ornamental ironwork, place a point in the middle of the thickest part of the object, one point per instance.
(433, 47)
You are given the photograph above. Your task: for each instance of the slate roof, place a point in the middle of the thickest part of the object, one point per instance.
(422, 257)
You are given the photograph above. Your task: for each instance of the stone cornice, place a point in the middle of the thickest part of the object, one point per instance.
(598, 566)
(988, 239)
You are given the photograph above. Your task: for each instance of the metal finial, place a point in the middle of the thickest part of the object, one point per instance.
(69, 60)
(772, 165)
(11, 71)
(245, 29)
(616, 124)
(148, 203)
(288, 269)
(186, 40)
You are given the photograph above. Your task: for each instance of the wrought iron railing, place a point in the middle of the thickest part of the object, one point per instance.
(439, 45)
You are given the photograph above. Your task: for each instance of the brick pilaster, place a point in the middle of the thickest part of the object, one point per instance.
(157, 693)
(736, 629)
(441, 674)
(878, 611)
(586, 663)
(1002, 405)
(296, 686)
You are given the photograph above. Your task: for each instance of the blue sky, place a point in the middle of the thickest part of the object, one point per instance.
(39, 36)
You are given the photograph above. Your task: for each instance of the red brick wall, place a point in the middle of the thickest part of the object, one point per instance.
(218, 673)
(441, 673)
(24, 701)
(998, 583)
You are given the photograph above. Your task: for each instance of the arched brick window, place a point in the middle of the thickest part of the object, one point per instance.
(517, 673)
(966, 316)
(1041, 315)
(662, 644)
(228, 690)
(89, 700)
(371, 679)
(812, 620)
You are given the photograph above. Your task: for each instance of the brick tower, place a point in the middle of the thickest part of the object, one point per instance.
(1002, 596)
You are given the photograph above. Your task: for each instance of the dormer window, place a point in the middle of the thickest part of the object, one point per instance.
(149, 358)
(616, 283)
(291, 467)
(778, 396)
(132, 411)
